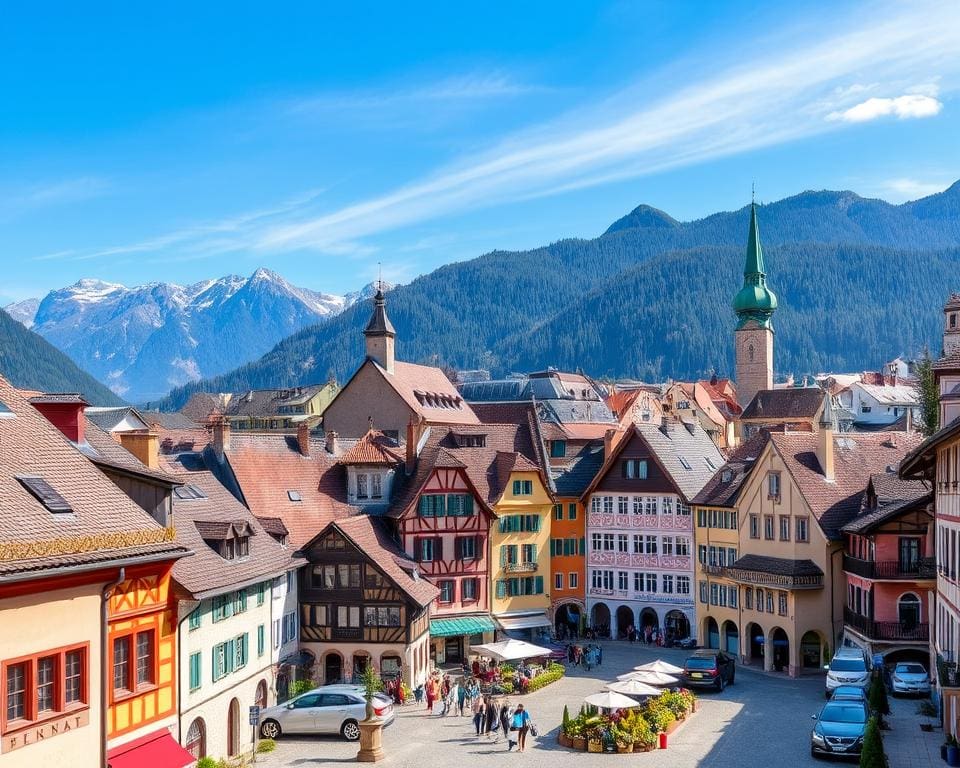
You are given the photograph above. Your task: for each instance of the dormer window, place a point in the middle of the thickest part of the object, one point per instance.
(726, 476)
(684, 462)
(369, 485)
(294, 495)
(189, 493)
(229, 540)
(45, 493)
(558, 449)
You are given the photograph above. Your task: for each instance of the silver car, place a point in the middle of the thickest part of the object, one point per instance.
(325, 710)
(910, 677)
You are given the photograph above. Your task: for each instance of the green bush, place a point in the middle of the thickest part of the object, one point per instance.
(658, 715)
(675, 702)
(266, 745)
(301, 686)
(506, 687)
(552, 673)
(872, 756)
(877, 696)
(566, 717)
(207, 762)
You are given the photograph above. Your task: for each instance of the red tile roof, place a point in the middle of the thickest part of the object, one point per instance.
(267, 466)
(104, 523)
(857, 456)
(429, 392)
(373, 448)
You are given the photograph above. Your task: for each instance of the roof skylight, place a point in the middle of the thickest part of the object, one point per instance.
(45, 494)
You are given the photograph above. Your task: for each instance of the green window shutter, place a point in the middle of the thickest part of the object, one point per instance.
(517, 487)
(468, 505)
(501, 588)
(533, 553)
(214, 667)
(228, 606)
(260, 640)
(243, 600)
(503, 555)
(503, 525)
(229, 655)
(194, 671)
(583, 545)
(244, 648)
(513, 554)
(195, 618)
(572, 511)
(439, 502)
(539, 588)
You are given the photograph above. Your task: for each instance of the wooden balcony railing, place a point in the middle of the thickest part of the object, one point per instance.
(886, 630)
(924, 568)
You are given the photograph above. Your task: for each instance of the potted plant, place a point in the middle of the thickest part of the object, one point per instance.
(576, 733)
(950, 741)
(623, 740)
(952, 752)
(372, 684)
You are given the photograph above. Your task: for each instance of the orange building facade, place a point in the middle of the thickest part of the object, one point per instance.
(567, 548)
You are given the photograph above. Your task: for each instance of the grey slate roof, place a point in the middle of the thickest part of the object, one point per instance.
(778, 566)
(172, 420)
(865, 522)
(572, 479)
(681, 442)
(792, 403)
(723, 489)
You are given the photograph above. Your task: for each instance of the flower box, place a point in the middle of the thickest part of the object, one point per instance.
(594, 745)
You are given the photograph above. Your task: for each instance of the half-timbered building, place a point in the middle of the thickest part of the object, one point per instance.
(363, 602)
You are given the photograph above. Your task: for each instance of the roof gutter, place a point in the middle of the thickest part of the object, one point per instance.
(104, 660)
(88, 567)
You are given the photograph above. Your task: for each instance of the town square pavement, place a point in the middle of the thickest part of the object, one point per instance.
(761, 721)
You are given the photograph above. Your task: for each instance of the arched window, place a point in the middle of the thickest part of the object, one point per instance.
(261, 699)
(196, 743)
(908, 610)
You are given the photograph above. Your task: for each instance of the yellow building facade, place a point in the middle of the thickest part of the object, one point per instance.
(520, 556)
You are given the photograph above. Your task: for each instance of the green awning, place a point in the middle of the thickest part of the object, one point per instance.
(465, 625)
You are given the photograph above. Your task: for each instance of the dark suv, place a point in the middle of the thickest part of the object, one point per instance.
(714, 669)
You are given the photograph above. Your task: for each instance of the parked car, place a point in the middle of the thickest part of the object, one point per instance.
(839, 729)
(910, 677)
(709, 668)
(328, 709)
(847, 667)
(848, 693)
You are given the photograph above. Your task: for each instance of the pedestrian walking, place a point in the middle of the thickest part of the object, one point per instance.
(520, 724)
(431, 694)
(505, 715)
(479, 710)
(492, 721)
(461, 695)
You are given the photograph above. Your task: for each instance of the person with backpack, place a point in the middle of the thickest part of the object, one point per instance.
(520, 725)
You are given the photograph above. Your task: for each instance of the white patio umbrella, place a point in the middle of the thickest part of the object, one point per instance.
(651, 678)
(660, 666)
(633, 687)
(611, 700)
(510, 650)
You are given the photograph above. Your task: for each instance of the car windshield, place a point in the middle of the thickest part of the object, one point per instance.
(847, 665)
(840, 713)
(696, 663)
(910, 669)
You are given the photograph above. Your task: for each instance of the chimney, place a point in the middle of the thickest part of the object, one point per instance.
(909, 420)
(144, 444)
(332, 443)
(65, 412)
(413, 437)
(221, 437)
(303, 438)
(825, 445)
(609, 443)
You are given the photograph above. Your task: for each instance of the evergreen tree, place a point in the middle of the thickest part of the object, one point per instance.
(877, 696)
(928, 395)
(872, 756)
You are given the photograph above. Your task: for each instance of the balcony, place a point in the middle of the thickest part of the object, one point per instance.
(520, 568)
(766, 579)
(886, 630)
(924, 568)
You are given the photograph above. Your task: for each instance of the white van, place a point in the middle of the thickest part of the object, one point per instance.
(847, 667)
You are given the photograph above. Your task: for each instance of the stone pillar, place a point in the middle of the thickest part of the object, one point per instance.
(768, 652)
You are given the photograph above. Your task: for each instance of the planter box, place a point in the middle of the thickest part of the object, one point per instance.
(580, 744)
(594, 746)
(645, 748)
(672, 727)
(563, 740)
(625, 750)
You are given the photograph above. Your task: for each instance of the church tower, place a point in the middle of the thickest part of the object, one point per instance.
(754, 304)
(380, 334)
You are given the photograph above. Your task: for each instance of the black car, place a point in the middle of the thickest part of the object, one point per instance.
(714, 669)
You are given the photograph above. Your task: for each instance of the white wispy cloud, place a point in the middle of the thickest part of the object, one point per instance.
(898, 190)
(910, 105)
(783, 94)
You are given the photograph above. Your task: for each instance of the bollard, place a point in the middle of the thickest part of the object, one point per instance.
(663, 741)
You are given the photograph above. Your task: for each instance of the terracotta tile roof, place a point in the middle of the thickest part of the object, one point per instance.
(856, 458)
(792, 403)
(104, 523)
(218, 515)
(274, 526)
(181, 440)
(723, 489)
(923, 457)
(203, 407)
(372, 538)
(428, 392)
(267, 466)
(268, 402)
(373, 448)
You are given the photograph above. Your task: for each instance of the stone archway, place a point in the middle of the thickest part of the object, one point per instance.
(730, 636)
(233, 728)
(711, 633)
(196, 740)
(648, 618)
(676, 625)
(624, 621)
(811, 650)
(778, 650)
(332, 668)
(600, 618)
(753, 644)
(567, 620)
(260, 698)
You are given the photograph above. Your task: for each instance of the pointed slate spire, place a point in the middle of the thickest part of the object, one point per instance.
(379, 324)
(754, 265)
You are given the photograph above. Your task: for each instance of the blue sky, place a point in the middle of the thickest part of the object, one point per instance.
(182, 141)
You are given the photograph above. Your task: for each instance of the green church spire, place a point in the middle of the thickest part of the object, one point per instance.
(755, 301)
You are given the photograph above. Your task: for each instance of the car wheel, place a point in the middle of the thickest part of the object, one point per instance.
(814, 754)
(350, 730)
(270, 729)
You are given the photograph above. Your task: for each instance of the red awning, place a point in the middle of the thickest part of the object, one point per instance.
(155, 750)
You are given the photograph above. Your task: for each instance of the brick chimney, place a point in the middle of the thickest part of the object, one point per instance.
(221, 437)
(609, 443)
(65, 411)
(332, 443)
(303, 438)
(144, 444)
